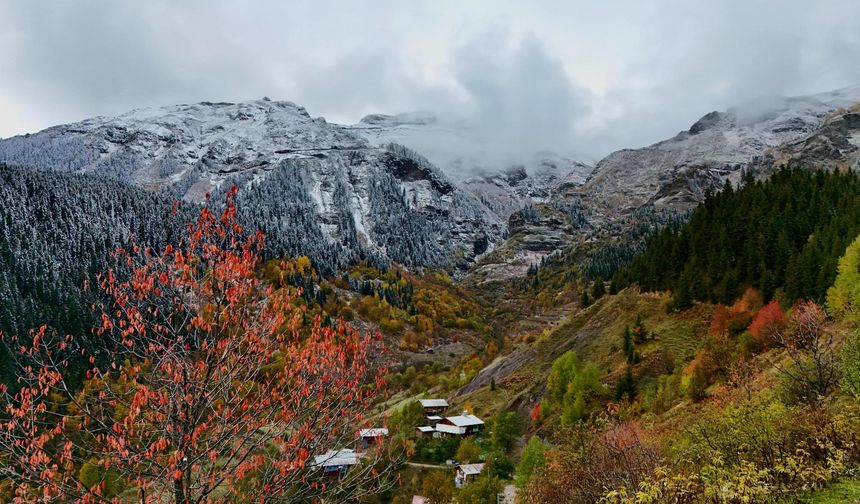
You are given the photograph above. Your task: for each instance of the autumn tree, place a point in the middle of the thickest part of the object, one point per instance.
(844, 297)
(438, 487)
(812, 367)
(607, 454)
(468, 452)
(207, 390)
(768, 324)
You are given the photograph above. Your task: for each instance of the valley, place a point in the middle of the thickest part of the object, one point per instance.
(673, 323)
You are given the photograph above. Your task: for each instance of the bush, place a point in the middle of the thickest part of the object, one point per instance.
(844, 297)
(468, 452)
(481, 491)
(698, 375)
(767, 324)
(570, 384)
(93, 474)
(499, 466)
(850, 364)
(532, 459)
(437, 450)
(438, 487)
(596, 458)
(809, 343)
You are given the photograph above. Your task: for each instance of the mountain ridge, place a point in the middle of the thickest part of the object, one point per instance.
(347, 184)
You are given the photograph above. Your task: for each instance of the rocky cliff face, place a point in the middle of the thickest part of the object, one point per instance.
(835, 145)
(469, 159)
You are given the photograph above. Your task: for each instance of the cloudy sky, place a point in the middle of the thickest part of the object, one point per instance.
(577, 76)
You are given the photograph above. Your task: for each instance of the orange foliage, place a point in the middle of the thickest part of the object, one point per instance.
(720, 320)
(534, 413)
(750, 302)
(205, 361)
(734, 319)
(699, 373)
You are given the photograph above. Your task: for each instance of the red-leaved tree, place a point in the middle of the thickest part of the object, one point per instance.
(768, 324)
(207, 389)
(811, 364)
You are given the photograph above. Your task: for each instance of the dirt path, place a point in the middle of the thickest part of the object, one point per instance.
(429, 466)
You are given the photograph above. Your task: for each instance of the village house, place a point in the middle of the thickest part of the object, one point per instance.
(426, 431)
(433, 407)
(336, 463)
(467, 473)
(460, 425)
(372, 436)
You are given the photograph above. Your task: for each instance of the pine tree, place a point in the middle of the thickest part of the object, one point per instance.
(626, 386)
(599, 289)
(627, 346)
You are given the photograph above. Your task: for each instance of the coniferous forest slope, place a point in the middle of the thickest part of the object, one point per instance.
(699, 346)
(782, 236)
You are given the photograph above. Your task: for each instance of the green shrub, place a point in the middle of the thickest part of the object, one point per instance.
(569, 386)
(481, 491)
(843, 298)
(850, 364)
(532, 459)
(93, 473)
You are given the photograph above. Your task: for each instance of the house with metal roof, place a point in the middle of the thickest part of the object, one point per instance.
(433, 406)
(426, 431)
(372, 436)
(337, 462)
(460, 425)
(467, 473)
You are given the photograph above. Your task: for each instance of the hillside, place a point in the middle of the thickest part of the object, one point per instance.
(697, 397)
(783, 236)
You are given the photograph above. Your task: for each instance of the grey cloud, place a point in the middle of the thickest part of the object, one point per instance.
(574, 78)
(520, 98)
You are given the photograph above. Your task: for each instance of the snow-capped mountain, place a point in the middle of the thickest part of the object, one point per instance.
(337, 193)
(836, 144)
(415, 190)
(634, 190)
(675, 173)
(192, 149)
(315, 187)
(508, 191)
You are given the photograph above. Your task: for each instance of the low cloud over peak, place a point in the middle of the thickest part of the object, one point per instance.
(578, 78)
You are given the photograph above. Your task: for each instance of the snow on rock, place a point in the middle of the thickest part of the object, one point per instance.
(675, 173)
(315, 188)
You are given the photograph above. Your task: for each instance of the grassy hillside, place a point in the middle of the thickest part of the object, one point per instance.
(728, 385)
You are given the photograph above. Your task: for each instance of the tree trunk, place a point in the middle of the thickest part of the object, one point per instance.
(179, 491)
